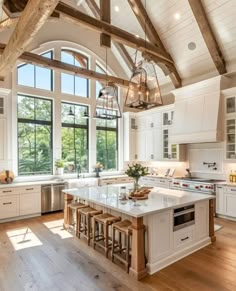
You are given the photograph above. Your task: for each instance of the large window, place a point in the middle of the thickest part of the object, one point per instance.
(35, 76)
(34, 135)
(74, 137)
(107, 143)
(71, 84)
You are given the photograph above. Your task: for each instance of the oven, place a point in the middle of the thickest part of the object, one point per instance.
(183, 217)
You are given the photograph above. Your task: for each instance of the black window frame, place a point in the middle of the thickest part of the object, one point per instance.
(74, 75)
(35, 122)
(35, 77)
(111, 129)
(74, 126)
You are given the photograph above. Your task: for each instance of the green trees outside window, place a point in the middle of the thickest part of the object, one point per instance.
(34, 135)
(107, 143)
(74, 137)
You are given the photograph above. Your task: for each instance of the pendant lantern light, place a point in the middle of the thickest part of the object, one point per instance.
(107, 103)
(143, 91)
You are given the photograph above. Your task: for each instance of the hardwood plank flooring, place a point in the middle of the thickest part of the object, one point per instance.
(37, 254)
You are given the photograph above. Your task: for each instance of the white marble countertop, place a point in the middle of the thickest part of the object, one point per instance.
(159, 199)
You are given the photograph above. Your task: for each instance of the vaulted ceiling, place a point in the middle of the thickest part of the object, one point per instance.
(197, 54)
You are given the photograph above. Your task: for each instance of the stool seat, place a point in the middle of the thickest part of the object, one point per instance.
(89, 211)
(106, 218)
(123, 226)
(77, 205)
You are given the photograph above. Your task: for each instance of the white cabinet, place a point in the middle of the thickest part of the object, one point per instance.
(141, 145)
(161, 230)
(30, 203)
(220, 208)
(9, 206)
(230, 204)
(130, 127)
(183, 237)
(20, 201)
(167, 117)
(202, 219)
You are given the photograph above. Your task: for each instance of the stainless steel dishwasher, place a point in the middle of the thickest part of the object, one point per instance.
(52, 197)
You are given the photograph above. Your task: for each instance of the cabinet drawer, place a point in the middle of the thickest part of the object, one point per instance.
(183, 237)
(19, 190)
(230, 190)
(8, 191)
(9, 206)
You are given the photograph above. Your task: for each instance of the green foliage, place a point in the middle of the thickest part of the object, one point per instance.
(59, 164)
(136, 171)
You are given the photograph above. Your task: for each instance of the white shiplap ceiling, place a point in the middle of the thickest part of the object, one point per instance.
(177, 27)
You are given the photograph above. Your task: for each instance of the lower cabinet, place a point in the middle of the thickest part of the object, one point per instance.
(226, 201)
(30, 203)
(202, 219)
(19, 201)
(9, 206)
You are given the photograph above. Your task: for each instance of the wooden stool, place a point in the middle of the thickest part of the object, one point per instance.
(83, 219)
(73, 207)
(123, 227)
(105, 220)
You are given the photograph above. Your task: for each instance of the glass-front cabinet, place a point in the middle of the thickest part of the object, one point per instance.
(230, 105)
(168, 118)
(230, 139)
(170, 151)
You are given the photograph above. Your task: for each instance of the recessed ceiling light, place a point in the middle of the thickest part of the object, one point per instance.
(192, 46)
(177, 16)
(116, 8)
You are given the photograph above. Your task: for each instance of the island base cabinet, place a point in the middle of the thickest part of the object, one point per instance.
(9, 206)
(202, 219)
(30, 203)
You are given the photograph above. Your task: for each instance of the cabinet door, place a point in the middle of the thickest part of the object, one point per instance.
(230, 105)
(3, 139)
(230, 204)
(202, 219)
(157, 143)
(220, 200)
(9, 206)
(149, 144)
(230, 139)
(161, 234)
(30, 203)
(132, 146)
(165, 144)
(141, 145)
(167, 118)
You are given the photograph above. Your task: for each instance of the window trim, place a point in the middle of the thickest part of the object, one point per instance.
(35, 121)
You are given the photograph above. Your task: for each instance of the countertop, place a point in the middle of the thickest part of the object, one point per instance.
(159, 199)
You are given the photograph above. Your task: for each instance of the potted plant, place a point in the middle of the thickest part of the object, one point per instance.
(136, 171)
(59, 164)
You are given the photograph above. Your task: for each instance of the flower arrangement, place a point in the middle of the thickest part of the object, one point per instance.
(59, 164)
(136, 171)
(98, 168)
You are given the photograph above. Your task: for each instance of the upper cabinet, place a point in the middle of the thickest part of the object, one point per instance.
(147, 137)
(230, 105)
(230, 128)
(2, 107)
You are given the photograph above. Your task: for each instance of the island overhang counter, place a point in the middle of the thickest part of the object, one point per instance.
(153, 219)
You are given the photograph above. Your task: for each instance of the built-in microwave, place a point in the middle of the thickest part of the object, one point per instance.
(183, 217)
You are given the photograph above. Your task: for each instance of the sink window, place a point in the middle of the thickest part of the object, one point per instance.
(34, 135)
(74, 137)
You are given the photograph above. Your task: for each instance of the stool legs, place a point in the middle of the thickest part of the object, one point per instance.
(106, 235)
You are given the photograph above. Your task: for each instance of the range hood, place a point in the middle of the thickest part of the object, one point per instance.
(198, 112)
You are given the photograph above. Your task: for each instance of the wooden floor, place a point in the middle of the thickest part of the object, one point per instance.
(37, 254)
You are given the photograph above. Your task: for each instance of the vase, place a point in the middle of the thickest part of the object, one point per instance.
(136, 184)
(60, 171)
(97, 173)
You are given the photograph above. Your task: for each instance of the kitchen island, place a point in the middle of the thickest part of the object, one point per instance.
(167, 226)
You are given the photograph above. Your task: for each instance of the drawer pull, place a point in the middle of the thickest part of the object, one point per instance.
(183, 239)
(233, 190)
(29, 189)
(7, 191)
(7, 203)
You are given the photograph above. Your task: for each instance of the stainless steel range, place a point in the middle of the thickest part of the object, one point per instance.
(204, 186)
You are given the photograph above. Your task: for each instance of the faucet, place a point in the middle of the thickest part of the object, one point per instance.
(78, 171)
(188, 175)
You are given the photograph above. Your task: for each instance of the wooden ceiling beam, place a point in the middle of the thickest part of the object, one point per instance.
(31, 20)
(116, 33)
(147, 26)
(105, 15)
(38, 60)
(120, 47)
(208, 35)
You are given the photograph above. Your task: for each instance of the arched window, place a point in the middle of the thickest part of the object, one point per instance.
(71, 84)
